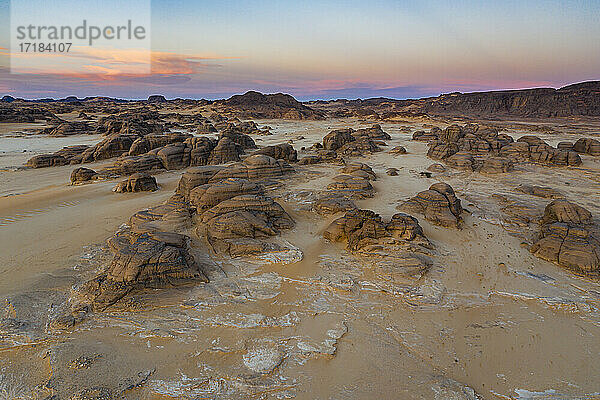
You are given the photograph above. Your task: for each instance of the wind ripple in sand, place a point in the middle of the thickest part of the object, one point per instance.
(11, 219)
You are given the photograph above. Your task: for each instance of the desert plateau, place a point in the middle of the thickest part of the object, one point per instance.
(260, 247)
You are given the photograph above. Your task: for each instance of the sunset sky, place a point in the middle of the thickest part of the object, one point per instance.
(335, 49)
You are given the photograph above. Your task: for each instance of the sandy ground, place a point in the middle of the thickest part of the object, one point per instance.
(488, 315)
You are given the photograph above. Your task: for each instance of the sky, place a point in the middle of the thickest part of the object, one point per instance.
(321, 49)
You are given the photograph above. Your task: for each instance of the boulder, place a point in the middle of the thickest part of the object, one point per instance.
(46, 160)
(374, 133)
(283, 151)
(567, 212)
(565, 146)
(461, 160)
(364, 230)
(439, 205)
(587, 146)
(439, 168)
(69, 128)
(398, 150)
(236, 136)
(422, 136)
(201, 149)
(173, 156)
(128, 165)
(147, 143)
(142, 260)
(496, 165)
(112, 146)
(338, 138)
(66, 155)
(350, 186)
(360, 170)
(441, 151)
(567, 238)
(225, 151)
(309, 160)
(81, 175)
(138, 182)
(358, 148)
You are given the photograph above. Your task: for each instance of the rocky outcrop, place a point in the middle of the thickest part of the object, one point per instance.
(568, 238)
(577, 99)
(128, 165)
(283, 151)
(350, 142)
(69, 128)
(235, 216)
(201, 149)
(269, 106)
(147, 143)
(238, 137)
(112, 146)
(350, 186)
(236, 225)
(587, 146)
(439, 205)
(225, 151)
(145, 255)
(337, 138)
(195, 176)
(209, 195)
(398, 150)
(81, 175)
(353, 183)
(65, 156)
(472, 147)
(255, 167)
(139, 182)
(397, 249)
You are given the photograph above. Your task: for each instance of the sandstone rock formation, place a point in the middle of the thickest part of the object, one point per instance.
(145, 255)
(269, 106)
(283, 151)
(255, 167)
(138, 182)
(472, 147)
(587, 146)
(439, 205)
(397, 249)
(398, 150)
(65, 156)
(568, 238)
(81, 175)
(69, 128)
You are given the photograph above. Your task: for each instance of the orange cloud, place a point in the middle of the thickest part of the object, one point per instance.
(111, 62)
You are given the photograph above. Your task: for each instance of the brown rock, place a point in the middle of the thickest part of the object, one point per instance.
(398, 150)
(438, 205)
(283, 151)
(138, 182)
(587, 146)
(81, 175)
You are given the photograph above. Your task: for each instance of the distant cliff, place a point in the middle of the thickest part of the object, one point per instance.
(573, 100)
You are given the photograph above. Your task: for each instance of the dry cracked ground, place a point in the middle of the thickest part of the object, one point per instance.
(179, 252)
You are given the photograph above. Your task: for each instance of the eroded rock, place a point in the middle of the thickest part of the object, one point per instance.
(439, 205)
